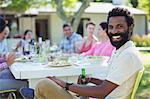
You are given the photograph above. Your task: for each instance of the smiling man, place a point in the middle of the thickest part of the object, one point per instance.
(120, 28)
(123, 67)
(67, 44)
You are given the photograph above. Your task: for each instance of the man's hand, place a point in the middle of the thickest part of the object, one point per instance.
(83, 81)
(10, 58)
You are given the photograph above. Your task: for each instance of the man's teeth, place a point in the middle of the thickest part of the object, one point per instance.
(116, 37)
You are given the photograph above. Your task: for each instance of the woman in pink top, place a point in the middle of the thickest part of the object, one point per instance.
(103, 47)
(88, 41)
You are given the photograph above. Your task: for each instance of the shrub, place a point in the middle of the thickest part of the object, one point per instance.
(141, 41)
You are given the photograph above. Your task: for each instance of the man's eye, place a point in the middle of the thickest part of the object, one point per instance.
(120, 26)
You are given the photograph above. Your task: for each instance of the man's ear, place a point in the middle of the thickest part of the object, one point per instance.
(131, 28)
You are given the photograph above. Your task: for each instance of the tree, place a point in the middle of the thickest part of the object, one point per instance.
(61, 6)
(22, 5)
(72, 17)
(134, 3)
(145, 5)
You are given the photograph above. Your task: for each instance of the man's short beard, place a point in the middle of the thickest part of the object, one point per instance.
(125, 37)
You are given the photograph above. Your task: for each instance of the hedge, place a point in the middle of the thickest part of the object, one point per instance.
(141, 41)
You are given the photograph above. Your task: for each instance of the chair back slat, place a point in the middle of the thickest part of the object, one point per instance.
(137, 82)
(10, 90)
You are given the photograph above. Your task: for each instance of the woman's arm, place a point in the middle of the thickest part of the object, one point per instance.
(18, 45)
(90, 52)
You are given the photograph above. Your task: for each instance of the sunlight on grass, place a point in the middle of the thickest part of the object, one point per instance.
(144, 88)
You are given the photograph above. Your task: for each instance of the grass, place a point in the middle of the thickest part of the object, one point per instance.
(144, 88)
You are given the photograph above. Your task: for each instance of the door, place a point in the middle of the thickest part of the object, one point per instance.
(42, 28)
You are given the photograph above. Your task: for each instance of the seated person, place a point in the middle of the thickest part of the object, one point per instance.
(123, 67)
(67, 45)
(88, 41)
(3, 43)
(26, 41)
(7, 80)
(103, 47)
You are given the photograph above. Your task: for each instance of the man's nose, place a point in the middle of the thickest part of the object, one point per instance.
(114, 31)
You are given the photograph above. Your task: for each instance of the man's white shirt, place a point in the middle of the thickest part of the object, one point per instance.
(123, 68)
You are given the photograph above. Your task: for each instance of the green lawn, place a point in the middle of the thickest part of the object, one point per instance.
(144, 88)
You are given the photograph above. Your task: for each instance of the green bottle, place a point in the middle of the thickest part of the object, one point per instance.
(83, 73)
(83, 79)
(83, 76)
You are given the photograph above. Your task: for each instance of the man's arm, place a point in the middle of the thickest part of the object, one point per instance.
(89, 80)
(96, 81)
(99, 91)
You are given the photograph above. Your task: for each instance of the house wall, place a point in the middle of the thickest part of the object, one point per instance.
(56, 25)
(26, 23)
(140, 25)
(96, 18)
(56, 28)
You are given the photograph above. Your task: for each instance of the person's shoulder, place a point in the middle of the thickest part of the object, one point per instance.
(22, 41)
(132, 54)
(4, 42)
(85, 38)
(110, 45)
(132, 50)
(77, 35)
(97, 43)
(63, 39)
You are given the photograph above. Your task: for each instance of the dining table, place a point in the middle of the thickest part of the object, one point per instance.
(35, 71)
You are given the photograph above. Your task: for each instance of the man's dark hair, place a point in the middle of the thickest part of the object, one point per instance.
(66, 25)
(90, 22)
(121, 12)
(2, 24)
(104, 25)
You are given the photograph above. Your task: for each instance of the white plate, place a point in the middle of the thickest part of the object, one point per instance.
(58, 64)
(21, 60)
(64, 65)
